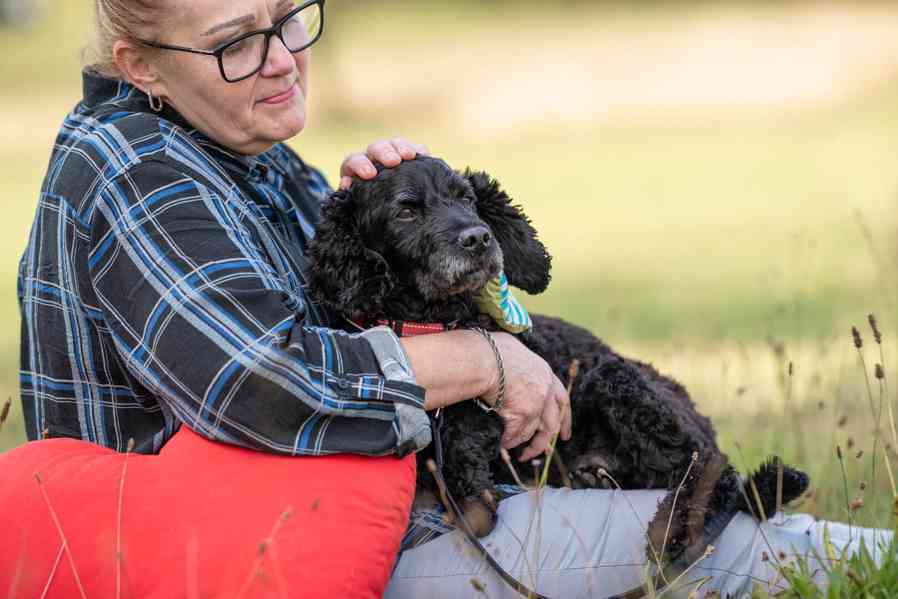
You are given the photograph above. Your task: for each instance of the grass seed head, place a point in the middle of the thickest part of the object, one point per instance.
(880, 373)
(842, 421)
(856, 335)
(877, 335)
(4, 414)
(850, 442)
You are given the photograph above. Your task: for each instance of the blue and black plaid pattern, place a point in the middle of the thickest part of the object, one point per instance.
(164, 282)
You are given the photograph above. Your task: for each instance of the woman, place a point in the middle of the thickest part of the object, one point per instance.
(164, 280)
(185, 245)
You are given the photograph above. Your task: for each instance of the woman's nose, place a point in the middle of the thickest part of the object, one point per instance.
(279, 61)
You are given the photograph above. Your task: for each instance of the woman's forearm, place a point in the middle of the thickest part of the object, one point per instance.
(452, 366)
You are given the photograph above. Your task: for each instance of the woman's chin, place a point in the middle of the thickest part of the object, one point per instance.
(285, 123)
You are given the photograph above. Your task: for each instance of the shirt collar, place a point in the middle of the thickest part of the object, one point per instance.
(121, 95)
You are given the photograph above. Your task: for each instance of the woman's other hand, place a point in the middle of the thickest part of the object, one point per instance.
(536, 405)
(387, 152)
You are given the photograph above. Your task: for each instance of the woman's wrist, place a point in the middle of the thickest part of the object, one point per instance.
(495, 394)
(453, 367)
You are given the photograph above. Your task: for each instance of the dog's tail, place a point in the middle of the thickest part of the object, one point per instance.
(772, 485)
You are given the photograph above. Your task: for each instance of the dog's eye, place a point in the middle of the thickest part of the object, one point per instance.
(406, 214)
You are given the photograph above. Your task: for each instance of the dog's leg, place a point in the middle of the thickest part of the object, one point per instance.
(471, 439)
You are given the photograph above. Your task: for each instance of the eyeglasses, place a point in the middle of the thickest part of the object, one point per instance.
(243, 57)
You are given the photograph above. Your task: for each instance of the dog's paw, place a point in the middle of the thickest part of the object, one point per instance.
(589, 471)
(480, 515)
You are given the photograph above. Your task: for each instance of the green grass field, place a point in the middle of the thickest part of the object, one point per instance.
(720, 242)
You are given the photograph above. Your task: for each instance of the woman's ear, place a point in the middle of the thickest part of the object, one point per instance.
(134, 67)
(527, 262)
(347, 277)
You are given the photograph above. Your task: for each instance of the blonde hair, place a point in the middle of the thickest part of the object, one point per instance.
(120, 20)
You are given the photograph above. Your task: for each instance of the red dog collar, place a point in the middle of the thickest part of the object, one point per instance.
(407, 328)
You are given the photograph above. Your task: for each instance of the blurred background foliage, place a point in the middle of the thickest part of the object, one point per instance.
(717, 181)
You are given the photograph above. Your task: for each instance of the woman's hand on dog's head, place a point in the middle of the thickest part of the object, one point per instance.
(387, 152)
(537, 406)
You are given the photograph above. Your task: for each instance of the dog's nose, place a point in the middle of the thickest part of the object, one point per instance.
(475, 238)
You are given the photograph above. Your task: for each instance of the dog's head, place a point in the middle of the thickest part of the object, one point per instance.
(421, 228)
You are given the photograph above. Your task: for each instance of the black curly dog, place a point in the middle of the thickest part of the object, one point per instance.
(418, 242)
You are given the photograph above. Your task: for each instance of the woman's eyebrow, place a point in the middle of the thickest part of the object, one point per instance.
(244, 20)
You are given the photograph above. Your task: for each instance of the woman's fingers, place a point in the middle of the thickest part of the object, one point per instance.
(537, 446)
(518, 432)
(387, 152)
(404, 148)
(356, 165)
(383, 152)
(549, 422)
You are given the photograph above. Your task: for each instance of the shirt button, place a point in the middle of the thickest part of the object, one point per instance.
(343, 384)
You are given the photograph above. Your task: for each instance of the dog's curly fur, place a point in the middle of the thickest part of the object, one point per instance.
(400, 247)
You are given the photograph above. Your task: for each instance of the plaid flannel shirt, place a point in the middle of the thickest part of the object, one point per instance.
(164, 282)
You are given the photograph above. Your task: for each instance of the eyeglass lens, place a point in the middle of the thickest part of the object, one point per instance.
(244, 57)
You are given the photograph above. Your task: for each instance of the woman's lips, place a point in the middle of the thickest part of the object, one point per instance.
(281, 97)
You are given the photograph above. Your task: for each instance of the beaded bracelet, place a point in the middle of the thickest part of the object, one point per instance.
(500, 396)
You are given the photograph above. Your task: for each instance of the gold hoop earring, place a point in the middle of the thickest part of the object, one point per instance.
(156, 104)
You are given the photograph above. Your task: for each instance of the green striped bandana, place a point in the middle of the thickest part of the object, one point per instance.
(497, 300)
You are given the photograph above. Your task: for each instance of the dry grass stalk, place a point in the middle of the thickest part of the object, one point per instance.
(118, 530)
(675, 586)
(845, 484)
(876, 414)
(266, 544)
(573, 371)
(506, 457)
(441, 485)
(676, 498)
(65, 542)
(52, 571)
(645, 532)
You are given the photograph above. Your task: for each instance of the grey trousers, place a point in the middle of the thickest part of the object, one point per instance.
(591, 543)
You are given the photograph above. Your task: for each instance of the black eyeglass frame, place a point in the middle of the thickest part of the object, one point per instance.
(269, 32)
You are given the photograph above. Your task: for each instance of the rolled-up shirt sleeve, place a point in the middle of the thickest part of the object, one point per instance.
(202, 319)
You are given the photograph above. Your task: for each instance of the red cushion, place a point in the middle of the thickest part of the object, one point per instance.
(194, 521)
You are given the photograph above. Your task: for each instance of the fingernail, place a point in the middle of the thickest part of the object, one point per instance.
(394, 157)
(370, 171)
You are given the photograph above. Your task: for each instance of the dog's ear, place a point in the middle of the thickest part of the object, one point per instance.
(527, 262)
(347, 277)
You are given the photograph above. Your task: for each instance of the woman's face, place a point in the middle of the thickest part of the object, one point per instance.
(248, 116)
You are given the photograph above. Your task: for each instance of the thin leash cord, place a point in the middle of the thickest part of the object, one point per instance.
(466, 528)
